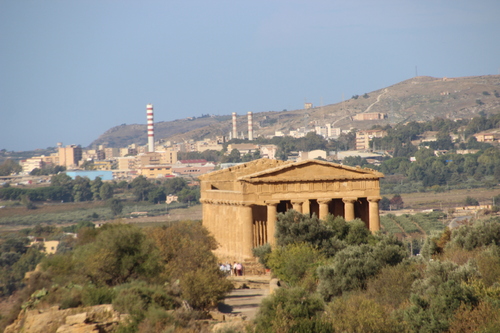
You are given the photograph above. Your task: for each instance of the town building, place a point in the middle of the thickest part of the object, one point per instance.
(243, 148)
(209, 144)
(363, 138)
(488, 136)
(185, 168)
(126, 163)
(268, 151)
(370, 116)
(104, 164)
(69, 156)
(49, 247)
(110, 153)
(171, 198)
(156, 158)
(313, 154)
(155, 171)
(32, 163)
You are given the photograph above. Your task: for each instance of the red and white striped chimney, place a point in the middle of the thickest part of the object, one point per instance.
(151, 133)
(250, 126)
(235, 133)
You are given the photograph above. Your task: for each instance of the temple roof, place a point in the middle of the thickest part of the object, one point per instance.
(240, 170)
(311, 170)
(268, 170)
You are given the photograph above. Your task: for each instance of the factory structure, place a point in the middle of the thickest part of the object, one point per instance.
(159, 159)
(151, 132)
(153, 160)
(234, 133)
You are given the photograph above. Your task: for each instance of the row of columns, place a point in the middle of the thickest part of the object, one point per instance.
(303, 207)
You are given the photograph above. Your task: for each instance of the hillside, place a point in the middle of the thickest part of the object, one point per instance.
(421, 98)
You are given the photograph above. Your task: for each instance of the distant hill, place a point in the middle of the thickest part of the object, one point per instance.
(420, 98)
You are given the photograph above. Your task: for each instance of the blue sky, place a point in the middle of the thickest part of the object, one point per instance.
(70, 70)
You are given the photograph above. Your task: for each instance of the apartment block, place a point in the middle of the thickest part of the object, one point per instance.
(69, 156)
(363, 138)
(155, 171)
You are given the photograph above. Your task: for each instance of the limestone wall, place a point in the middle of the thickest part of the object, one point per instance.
(227, 225)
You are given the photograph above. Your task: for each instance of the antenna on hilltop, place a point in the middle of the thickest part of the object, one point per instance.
(416, 71)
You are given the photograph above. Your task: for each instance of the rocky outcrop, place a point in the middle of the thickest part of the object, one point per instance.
(99, 318)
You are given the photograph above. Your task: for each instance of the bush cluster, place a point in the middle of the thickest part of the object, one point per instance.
(142, 272)
(372, 284)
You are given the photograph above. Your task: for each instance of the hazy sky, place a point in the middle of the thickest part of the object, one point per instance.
(70, 70)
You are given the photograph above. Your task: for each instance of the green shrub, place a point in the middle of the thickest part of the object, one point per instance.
(116, 206)
(438, 295)
(391, 287)
(358, 313)
(470, 201)
(328, 236)
(293, 262)
(291, 310)
(262, 252)
(137, 297)
(92, 295)
(69, 296)
(156, 320)
(119, 254)
(71, 299)
(351, 267)
(481, 233)
(203, 288)
(186, 250)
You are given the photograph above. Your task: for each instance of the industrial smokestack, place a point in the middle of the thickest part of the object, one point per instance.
(250, 126)
(235, 133)
(151, 133)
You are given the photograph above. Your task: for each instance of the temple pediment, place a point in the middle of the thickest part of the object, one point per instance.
(310, 170)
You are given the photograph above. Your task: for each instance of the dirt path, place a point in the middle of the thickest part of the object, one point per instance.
(247, 298)
(367, 109)
(244, 302)
(400, 227)
(378, 100)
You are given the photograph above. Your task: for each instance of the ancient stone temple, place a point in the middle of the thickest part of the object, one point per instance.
(240, 204)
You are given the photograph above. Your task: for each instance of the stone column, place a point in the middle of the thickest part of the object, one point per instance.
(374, 215)
(306, 209)
(272, 211)
(323, 208)
(349, 208)
(297, 205)
(247, 230)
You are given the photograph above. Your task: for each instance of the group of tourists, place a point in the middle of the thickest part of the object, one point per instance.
(236, 269)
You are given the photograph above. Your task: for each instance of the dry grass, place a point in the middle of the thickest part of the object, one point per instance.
(18, 217)
(192, 213)
(48, 208)
(451, 199)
